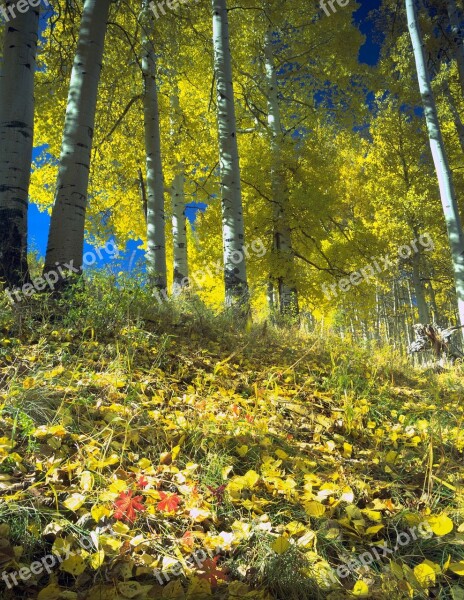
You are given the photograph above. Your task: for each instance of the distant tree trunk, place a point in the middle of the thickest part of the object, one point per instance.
(156, 225)
(447, 192)
(179, 222)
(419, 290)
(455, 114)
(458, 42)
(16, 142)
(433, 303)
(288, 296)
(66, 237)
(236, 286)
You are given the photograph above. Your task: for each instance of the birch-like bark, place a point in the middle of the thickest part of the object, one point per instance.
(419, 290)
(67, 227)
(235, 278)
(458, 42)
(156, 224)
(440, 159)
(285, 258)
(16, 141)
(179, 223)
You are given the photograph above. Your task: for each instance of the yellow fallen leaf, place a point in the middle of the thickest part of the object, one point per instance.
(360, 589)
(96, 559)
(28, 383)
(374, 529)
(457, 567)
(314, 509)
(75, 565)
(74, 501)
(242, 450)
(87, 481)
(440, 524)
(173, 591)
(132, 589)
(51, 592)
(347, 450)
(425, 575)
(280, 545)
(397, 570)
(98, 511)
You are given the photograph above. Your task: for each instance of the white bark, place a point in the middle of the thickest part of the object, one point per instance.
(16, 142)
(440, 159)
(288, 296)
(458, 42)
(179, 225)
(236, 286)
(156, 225)
(66, 237)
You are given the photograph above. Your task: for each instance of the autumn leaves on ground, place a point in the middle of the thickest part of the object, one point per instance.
(186, 461)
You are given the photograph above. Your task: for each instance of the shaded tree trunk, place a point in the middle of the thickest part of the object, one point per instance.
(458, 43)
(236, 286)
(156, 225)
(67, 227)
(179, 223)
(419, 290)
(288, 296)
(16, 142)
(447, 192)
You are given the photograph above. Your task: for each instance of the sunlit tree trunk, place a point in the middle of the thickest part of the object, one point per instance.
(66, 237)
(236, 287)
(447, 192)
(283, 250)
(16, 142)
(156, 225)
(179, 223)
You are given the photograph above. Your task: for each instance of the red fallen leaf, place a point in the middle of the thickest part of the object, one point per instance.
(142, 482)
(211, 573)
(218, 493)
(249, 418)
(169, 502)
(236, 410)
(127, 506)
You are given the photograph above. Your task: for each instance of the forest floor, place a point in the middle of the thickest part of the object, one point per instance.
(170, 456)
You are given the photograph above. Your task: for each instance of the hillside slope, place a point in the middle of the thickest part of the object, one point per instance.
(163, 454)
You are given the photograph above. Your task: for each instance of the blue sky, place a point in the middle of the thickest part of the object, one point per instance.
(39, 221)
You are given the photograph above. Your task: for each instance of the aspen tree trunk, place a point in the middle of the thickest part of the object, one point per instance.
(179, 224)
(447, 192)
(458, 42)
(419, 290)
(433, 303)
(66, 236)
(456, 116)
(156, 225)
(235, 278)
(16, 142)
(288, 296)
